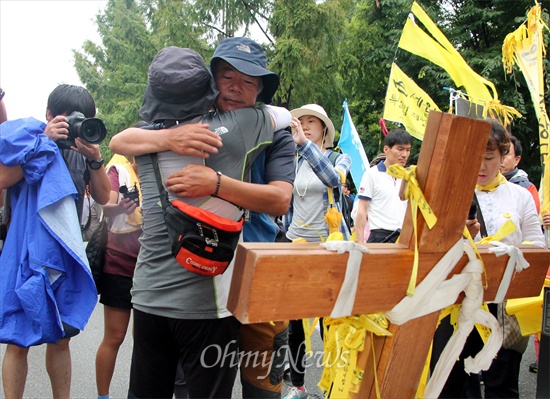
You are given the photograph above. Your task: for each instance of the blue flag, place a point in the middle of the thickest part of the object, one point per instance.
(350, 143)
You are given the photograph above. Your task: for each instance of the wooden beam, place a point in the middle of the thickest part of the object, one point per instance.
(293, 281)
(306, 278)
(447, 171)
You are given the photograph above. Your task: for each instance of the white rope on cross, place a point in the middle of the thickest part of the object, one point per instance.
(436, 292)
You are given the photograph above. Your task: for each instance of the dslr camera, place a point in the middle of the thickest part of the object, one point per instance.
(91, 130)
(132, 193)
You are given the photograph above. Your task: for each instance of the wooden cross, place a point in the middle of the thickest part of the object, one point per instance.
(277, 281)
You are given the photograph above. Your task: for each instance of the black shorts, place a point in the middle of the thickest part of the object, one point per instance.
(69, 330)
(115, 291)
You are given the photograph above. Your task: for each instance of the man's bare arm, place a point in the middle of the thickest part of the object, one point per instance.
(100, 186)
(192, 139)
(272, 198)
(361, 220)
(198, 180)
(9, 175)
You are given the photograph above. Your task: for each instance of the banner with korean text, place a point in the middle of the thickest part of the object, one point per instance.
(407, 103)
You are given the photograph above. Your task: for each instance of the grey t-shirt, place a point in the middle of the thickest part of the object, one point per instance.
(308, 206)
(161, 286)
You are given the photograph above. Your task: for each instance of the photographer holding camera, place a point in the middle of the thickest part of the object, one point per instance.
(84, 158)
(43, 263)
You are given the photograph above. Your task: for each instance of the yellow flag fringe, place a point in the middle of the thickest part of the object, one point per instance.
(525, 48)
(527, 32)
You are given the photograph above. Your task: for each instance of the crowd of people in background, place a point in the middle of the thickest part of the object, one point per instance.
(225, 151)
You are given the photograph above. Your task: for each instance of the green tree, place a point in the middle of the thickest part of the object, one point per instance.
(488, 23)
(132, 32)
(307, 52)
(224, 18)
(476, 28)
(370, 47)
(115, 72)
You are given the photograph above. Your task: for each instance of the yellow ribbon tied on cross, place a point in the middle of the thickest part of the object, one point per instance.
(344, 339)
(414, 194)
(506, 228)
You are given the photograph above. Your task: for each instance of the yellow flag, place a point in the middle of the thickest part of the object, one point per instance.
(525, 48)
(407, 103)
(441, 52)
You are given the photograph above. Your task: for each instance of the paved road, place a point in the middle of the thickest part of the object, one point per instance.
(83, 354)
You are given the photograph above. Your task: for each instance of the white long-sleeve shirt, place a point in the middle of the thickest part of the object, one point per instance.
(511, 202)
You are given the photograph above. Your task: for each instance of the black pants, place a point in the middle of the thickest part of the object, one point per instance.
(380, 235)
(500, 380)
(297, 351)
(208, 350)
(459, 384)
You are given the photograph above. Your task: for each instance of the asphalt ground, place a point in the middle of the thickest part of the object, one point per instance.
(84, 346)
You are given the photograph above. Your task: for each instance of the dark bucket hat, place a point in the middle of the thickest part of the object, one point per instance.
(248, 57)
(180, 85)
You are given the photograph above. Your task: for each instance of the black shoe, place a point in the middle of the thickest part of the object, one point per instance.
(533, 367)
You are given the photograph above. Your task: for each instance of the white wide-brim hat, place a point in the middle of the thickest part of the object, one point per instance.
(318, 112)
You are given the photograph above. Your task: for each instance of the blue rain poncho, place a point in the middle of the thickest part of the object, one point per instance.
(44, 274)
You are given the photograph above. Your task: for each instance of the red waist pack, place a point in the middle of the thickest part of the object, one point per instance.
(201, 241)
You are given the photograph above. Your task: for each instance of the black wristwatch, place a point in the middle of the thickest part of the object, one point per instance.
(95, 165)
(2, 94)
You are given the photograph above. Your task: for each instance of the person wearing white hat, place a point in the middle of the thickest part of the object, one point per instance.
(313, 134)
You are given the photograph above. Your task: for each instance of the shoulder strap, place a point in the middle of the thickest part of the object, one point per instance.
(333, 156)
(162, 192)
(479, 216)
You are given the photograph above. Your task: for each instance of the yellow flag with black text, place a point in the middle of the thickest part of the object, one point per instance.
(407, 103)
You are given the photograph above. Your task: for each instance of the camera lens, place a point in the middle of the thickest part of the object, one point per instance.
(93, 130)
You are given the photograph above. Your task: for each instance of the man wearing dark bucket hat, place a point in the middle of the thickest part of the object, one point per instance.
(241, 58)
(173, 307)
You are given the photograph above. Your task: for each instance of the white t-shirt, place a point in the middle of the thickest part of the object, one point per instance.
(386, 210)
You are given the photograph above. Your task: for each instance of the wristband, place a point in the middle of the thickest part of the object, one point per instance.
(96, 164)
(218, 184)
(2, 94)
